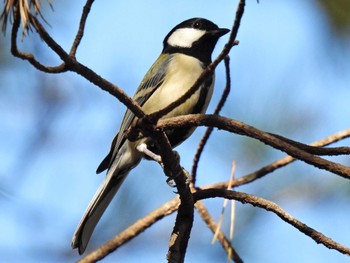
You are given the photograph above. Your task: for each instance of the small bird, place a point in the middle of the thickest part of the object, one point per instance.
(187, 51)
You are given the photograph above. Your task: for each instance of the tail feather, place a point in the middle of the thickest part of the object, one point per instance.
(95, 210)
(119, 169)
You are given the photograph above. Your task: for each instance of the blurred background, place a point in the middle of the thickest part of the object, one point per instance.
(290, 76)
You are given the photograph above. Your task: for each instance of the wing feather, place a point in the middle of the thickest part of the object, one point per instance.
(151, 81)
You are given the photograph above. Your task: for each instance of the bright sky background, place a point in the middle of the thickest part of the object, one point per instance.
(288, 77)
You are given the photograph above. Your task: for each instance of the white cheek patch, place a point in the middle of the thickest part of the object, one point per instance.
(185, 37)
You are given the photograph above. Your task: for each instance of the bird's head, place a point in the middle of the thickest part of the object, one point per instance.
(196, 37)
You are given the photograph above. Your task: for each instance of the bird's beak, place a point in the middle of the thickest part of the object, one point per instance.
(219, 32)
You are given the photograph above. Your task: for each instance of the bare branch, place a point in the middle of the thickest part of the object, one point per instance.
(132, 231)
(80, 33)
(184, 218)
(244, 129)
(226, 244)
(70, 63)
(314, 149)
(279, 163)
(172, 205)
(28, 56)
(318, 237)
(209, 130)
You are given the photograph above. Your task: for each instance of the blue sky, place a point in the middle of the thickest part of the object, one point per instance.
(289, 76)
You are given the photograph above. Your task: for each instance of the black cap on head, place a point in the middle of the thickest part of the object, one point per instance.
(196, 37)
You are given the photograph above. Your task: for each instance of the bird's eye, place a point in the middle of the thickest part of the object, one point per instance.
(197, 25)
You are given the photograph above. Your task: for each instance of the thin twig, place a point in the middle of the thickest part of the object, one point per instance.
(28, 56)
(80, 33)
(49, 40)
(209, 130)
(314, 149)
(221, 218)
(225, 242)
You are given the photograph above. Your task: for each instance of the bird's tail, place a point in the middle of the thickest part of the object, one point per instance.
(102, 198)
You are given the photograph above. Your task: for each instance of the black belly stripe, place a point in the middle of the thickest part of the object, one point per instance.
(204, 90)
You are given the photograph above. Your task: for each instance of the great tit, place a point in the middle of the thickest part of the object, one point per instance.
(187, 51)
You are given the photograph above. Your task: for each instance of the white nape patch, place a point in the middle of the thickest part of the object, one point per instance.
(185, 37)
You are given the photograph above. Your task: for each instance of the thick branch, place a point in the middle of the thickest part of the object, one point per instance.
(244, 129)
(184, 219)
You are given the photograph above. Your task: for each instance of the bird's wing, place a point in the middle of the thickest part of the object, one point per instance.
(151, 81)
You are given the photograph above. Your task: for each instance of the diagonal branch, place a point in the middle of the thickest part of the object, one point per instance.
(132, 231)
(209, 130)
(244, 198)
(314, 149)
(246, 130)
(69, 61)
(45, 36)
(80, 33)
(226, 244)
(288, 159)
(279, 163)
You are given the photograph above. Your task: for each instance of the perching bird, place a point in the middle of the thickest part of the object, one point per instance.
(186, 53)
